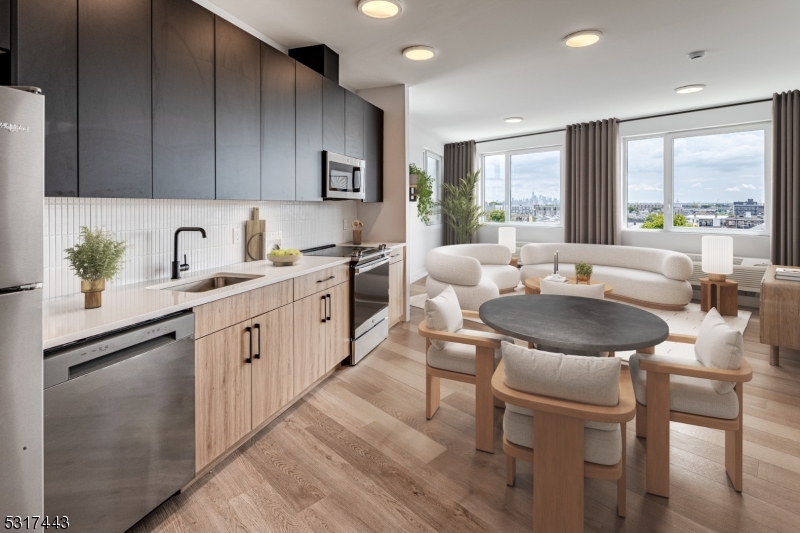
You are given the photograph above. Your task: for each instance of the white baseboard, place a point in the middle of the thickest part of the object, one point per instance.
(418, 275)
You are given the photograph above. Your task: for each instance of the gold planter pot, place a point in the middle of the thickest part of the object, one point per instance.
(583, 279)
(93, 293)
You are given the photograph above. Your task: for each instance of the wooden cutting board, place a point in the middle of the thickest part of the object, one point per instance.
(254, 238)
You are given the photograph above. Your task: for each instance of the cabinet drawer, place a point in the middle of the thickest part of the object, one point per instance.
(320, 281)
(221, 314)
(271, 297)
(396, 256)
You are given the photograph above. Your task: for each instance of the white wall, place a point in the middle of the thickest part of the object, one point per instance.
(421, 238)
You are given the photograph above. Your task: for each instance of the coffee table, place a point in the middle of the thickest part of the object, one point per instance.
(532, 285)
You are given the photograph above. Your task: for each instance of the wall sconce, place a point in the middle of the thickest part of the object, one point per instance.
(413, 179)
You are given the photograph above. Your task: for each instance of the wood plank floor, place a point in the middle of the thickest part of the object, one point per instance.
(358, 455)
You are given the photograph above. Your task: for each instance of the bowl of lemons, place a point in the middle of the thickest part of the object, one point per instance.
(284, 257)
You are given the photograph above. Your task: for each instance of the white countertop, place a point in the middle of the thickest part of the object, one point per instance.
(65, 319)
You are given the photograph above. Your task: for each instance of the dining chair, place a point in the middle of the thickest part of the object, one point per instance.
(458, 354)
(706, 391)
(566, 415)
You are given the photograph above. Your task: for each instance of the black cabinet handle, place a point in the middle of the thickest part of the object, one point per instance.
(324, 280)
(250, 333)
(324, 310)
(330, 305)
(258, 344)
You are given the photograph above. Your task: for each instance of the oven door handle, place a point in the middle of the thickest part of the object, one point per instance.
(371, 266)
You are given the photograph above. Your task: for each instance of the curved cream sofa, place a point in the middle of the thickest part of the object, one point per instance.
(646, 276)
(477, 272)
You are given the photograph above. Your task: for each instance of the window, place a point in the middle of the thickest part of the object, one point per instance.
(523, 187)
(433, 166)
(709, 180)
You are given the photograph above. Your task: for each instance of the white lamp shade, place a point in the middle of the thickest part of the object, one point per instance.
(717, 255)
(507, 236)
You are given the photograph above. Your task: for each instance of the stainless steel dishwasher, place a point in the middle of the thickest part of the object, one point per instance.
(119, 424)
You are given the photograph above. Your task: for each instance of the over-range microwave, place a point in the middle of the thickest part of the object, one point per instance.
(343, 177)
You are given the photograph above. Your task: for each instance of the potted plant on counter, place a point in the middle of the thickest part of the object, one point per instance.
(583, 272)
(95, 260)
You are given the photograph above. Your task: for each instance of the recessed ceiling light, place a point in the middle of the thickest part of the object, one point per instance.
(419, 53)
(686, 89)
(513, 120)
(579, 39)
(380, 9)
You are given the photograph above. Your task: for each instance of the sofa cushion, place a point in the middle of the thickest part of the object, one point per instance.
(443, 313)
(460, 358)
(504, 276)
(719, 346)
(460, 264)
(570, 377)
(600, 446)
(469, 297)
(567, 289)
(686, 394)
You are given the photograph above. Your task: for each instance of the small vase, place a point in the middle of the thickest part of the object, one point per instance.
(583, 279)
(357, 237)
(93, 293)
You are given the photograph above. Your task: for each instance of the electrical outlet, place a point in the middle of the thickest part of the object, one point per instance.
(237, 235)
(345, 224)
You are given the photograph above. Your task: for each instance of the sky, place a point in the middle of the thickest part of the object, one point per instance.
(708, 168)
(538, 172)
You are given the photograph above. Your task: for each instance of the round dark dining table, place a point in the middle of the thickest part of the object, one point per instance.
(573, 323)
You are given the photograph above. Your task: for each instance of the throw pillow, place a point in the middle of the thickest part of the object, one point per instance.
(719, 346)
(567, 289)
(443, 313)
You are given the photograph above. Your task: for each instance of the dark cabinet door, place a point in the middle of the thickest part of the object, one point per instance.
(373, 153)
(183, 100)
(238, 74)
(332, 116)
(115, 158)
(354, 125)
(277, 124)
(5, 24)
(309, 135)
(47, 57)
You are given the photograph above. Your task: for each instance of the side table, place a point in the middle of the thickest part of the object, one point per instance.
(780, 307)
(724, 295)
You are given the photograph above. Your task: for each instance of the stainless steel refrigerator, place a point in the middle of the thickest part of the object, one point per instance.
(21, 274)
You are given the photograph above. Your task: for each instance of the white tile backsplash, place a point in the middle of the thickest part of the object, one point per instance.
(148, 227)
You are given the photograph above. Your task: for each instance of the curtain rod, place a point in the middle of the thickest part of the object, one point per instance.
(633, 119)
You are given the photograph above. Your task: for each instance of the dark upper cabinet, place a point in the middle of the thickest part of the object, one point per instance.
(115, 157)
(183, 100)
(353, 125)
(47, 57)
(373, 153)
(308, 152)
(277, 124)
(5, 24)
(238, 112)
(332, 116)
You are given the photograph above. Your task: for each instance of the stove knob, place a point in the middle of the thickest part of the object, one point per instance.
(382, 247)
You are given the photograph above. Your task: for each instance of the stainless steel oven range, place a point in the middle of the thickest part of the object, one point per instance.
(369, 295)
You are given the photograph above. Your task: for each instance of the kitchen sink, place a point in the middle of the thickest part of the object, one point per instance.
(209, 284)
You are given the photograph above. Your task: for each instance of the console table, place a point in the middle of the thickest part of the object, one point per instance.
(780, 307)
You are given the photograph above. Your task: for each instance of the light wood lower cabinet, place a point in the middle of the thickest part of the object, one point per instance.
(272, 382)
(309, 340)
(223, 391)
(338, 326)
(396, 292)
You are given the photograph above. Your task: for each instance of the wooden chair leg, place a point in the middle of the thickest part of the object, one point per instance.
(432, 395)
(622, 482)
(641, 420)
(733, 447)
(484, 400)
(511, 470)
(657, 470)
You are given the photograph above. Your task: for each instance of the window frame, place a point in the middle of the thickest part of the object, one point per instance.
(507, 180)
(669, 176)
(436, 217)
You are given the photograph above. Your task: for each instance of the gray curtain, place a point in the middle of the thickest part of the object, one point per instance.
(590, 195)
(459, 160)
(786, 178)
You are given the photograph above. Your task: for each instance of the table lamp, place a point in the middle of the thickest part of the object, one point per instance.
(717, 257)
(507, 236)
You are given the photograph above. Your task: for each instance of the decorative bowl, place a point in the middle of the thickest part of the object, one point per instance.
(284, 260)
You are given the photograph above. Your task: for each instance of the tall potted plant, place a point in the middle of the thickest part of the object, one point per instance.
(95, 260)
(459, 206)
(424, 188)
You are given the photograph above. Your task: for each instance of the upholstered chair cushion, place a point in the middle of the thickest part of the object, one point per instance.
(596, 291)
(696, 396)
(443, 313)
(460, 358)
(589, 380)
(719, 346)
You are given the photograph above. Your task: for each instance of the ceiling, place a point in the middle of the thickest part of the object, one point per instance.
(505, 58)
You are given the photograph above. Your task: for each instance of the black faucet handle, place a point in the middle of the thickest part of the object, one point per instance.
(185, 266)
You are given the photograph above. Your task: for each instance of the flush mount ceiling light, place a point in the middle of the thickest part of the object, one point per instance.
(419, 53)
(579, 39)
(687, 89)
(513, 120)
(380, 9)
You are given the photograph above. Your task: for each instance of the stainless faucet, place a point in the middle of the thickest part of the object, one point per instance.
(177, 268)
